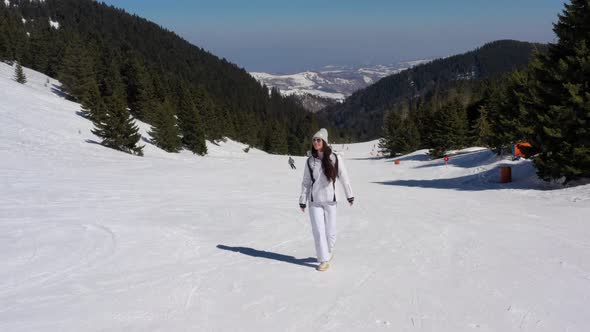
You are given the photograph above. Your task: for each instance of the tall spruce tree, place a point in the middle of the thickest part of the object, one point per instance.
(4, 34)
(165, 132)
(408, 139)
(189, 121)
(508, 111)
(116, 128)
(400, 135)
(249, 128)
(391, 130)
(93, 106)
(19, 74)
(423, 119)
(212, 122)
(276, 139)
(482, 129)
(39, 46)
(227, 124)
(449, 129)
(140, 90)
(76, 72)
(558, 98)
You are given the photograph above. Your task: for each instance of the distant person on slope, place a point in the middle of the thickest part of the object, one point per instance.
(319, 189)
(292, 163)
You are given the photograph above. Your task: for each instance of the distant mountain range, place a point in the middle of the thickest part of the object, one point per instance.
(332, 82)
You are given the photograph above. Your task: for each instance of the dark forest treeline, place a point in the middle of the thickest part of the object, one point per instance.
(110, 61)
(433, 83)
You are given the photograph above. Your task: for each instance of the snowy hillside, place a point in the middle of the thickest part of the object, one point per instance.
(334, 82)
(92, 239)
(44, 101)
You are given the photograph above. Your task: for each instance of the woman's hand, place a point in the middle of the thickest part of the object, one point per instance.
(351, 200)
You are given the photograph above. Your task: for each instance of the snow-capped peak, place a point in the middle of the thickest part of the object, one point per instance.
(334, 82)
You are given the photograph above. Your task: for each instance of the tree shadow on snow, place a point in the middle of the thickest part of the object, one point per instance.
(368, 158)
(522, 178)
(467, 160)
(414, 157)
(57, 90)
(271, 255)
(91, 141)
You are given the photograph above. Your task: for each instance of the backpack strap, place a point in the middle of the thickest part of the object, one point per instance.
(334, 182)
(312, 177)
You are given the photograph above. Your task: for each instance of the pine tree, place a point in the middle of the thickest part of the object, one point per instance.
(249, 129)
(449, 128)
(117, 129)
(92, 104)
(508, 112)
(276, 138)
(482, 129)
(19, 74)
(115, 126)
(391, 129)
(189, 122)
(296, 147)
(459, 126)
(165, 132)
(140, 90)
(4, 36)
(423, 119)
(39, 47)
(400, 136)
(77, 70)
(212, 122)
(408, 139)
(227, 124)
(558, 97)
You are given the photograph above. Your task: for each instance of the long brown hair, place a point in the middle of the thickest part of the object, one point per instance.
(330, 170)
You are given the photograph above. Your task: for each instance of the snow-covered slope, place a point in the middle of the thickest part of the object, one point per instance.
(40, 99)
(334, 82)
(92, 239)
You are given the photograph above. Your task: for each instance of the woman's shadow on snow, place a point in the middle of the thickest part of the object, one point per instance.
(271, 255)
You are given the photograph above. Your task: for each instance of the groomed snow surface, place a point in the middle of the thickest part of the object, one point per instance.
(92, 239)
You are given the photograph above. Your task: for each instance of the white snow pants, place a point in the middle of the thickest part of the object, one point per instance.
(323, 225)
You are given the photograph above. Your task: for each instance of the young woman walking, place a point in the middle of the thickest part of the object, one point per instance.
(318, 188)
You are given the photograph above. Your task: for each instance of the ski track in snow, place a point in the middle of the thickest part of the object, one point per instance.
(92, 239)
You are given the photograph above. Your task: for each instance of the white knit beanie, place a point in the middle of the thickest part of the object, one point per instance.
(323, 134)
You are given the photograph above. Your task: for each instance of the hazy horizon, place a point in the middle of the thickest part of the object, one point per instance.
(263, 35)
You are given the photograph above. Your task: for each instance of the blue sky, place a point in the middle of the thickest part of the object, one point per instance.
(285, 36)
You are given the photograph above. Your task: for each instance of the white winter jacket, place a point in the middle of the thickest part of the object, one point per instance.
(323, 190)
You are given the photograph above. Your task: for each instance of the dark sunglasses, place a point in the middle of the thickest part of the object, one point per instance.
(317, 140)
